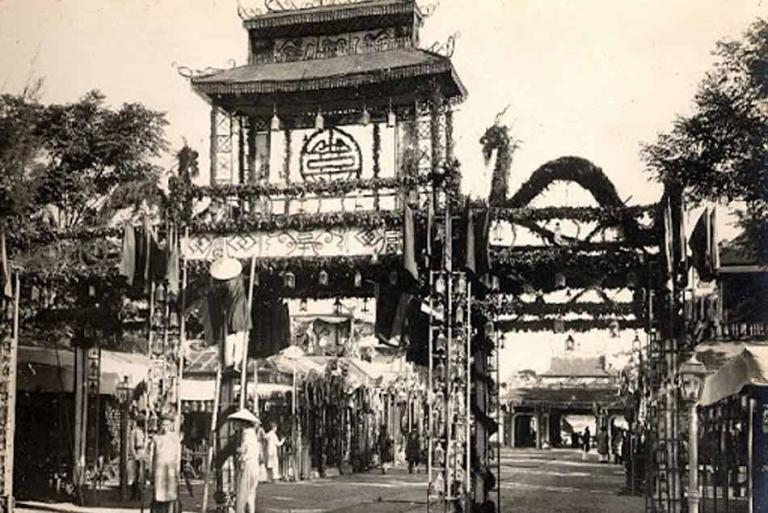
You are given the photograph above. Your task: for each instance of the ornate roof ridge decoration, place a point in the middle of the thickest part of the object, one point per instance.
(192, 73)
(285, 12)
(297, 76)
(446, 48)
(310, 54)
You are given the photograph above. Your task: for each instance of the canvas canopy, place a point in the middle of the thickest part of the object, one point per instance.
(749, 367)
(51, 370)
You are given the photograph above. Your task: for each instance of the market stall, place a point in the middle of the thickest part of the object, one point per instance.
(734, 415)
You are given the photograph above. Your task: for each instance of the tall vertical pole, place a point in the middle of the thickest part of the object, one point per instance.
(10, 419)
(693, 460)
(467, 408)
(182, 335)
(244, 364)
(430, 394)
(211, 438)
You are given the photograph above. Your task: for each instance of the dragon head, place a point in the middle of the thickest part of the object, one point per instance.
(496, 137)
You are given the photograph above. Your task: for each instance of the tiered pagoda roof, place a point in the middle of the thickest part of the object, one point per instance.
(337, 72)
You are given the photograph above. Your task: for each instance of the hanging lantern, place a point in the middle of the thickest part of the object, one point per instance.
(365, 117)
(289, 280)
(375, 258)
(613, 328)
(319, 121)
(365, 305)
(303, 305)
(440, 285)
(459, 314)
(337, 306)
(462, 283)
(570, 343)
(91, 291)
(393, 278)
(255, 279)
(358, 279)
(560, 280)
(274, 124)
(391, 117)
(636, 344)
(322, 277)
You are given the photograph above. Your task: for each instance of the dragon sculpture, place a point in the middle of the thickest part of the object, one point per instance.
(497, 138)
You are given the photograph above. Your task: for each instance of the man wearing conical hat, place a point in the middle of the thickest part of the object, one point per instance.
(248, 455)
(165, 463)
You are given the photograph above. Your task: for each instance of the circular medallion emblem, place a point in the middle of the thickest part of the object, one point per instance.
(330, 154)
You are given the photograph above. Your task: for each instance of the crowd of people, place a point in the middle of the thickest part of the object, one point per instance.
(608, 446)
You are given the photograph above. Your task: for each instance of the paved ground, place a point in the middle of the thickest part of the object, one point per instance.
(558, 481)
(532, 482)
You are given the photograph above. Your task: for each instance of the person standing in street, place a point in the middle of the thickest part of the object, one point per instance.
(413, 451)
(586, 440)
(137, 458)
(248, 457)
(165, 463)
(386, 449)
(273, 443)
(602, 445)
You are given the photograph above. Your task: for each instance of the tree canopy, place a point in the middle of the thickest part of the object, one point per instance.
(74, 156)
(720, 151)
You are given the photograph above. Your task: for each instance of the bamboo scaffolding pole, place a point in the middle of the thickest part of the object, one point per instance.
(211, 439)
(244, 365)
(182, 335)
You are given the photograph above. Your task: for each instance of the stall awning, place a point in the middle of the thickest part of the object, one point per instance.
(194, 390)
(749, 367)
(51, 370)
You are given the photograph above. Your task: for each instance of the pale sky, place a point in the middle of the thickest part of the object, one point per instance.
(592, 78)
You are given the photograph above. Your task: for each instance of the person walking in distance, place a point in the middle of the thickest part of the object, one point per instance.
(413, 451)
(586, 440)
(165, 463)
(273, 443)
(248, 455)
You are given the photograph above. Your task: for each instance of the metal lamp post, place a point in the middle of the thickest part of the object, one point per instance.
(124, 397)
(692, 374)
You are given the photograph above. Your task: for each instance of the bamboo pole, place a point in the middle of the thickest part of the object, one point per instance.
(244, 366)
(11, 406)
(211, 438)
(182, 336)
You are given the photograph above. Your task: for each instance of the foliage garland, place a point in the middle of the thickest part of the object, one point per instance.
(303, 222)
(602, 215)
(330, 264)
(543, 309)
(609, 258)
(376, 150)
(327, 188)
(571, 169)
(26, 239)
(376, 159)
(287, 156)
(573, 325)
